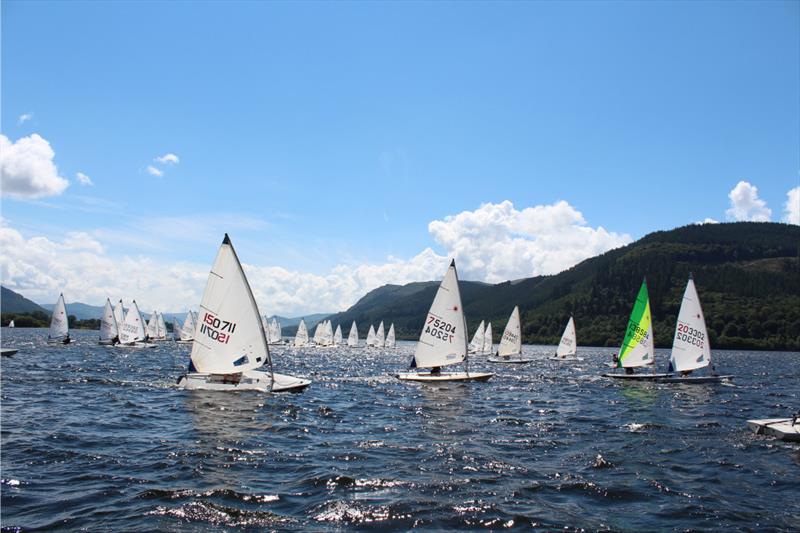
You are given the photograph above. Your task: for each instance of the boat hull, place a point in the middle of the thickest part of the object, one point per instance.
(517, 360)
(252, 380)
(135, 345)
(636, 377)
(184, 342)
(570, 358)
(7, 352)
(776, 427)
(444, 376)
(106, 343)
(695, 379)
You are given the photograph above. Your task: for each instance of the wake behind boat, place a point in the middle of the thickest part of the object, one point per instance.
(443, 340)
(230, 350)
(510, 349)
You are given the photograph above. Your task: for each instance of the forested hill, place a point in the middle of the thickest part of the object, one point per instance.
(747, 276)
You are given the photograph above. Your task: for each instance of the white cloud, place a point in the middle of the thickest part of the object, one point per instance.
(154, 171)
(791, 208)
(497, 242)
(83, 179)
(708, 220)
(27, 169)
(494, 243)
(746, 205)
(23, 118)
(168, 159)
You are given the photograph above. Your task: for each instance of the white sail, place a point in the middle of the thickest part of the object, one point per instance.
(317, 333)
(274, 336)
(11, 324)
(352, 338)
(162, 327)
(476, 344)
(443, 340)
(390, 341)
(59, 325)
(488, 342)
(380, 337)
(230, 337)
(152, 326)
(108, 324)
(337, 336)
(132, 329)
(371, 336)
(187, 331)
(301, 337)
(511, 341)
(119, 314)
(690, 347)
(569, 343)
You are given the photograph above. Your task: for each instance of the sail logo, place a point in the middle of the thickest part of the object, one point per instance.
(439, 329)
(217, 329)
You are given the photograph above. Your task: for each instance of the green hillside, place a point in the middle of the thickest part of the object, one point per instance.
(13, 302)
(747, 275)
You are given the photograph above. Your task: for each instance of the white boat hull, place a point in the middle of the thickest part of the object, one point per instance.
(695, 379)
(135, 345)
(7, 352)
(184, 342)
(251, 380)
(776, 427)
(636, 377)
(427, 377)
(572, 358)
(509, 360)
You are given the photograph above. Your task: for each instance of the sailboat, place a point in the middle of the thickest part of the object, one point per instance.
(119, 315)
(371, 336)
(132, 332)
(161, 328)
(510, 349)
(109, 332)
(352, 338)
(186, 332)
(568, 346)
(11, 324)
(301, 337)
(691, 349)
(476, 344)
(230, 351)
(390, 341)
(380, 337)
(151, 329)
(337, 336)
(274, 334)
(59, 325)
(638, 349)
(488, 342)
(443, 340)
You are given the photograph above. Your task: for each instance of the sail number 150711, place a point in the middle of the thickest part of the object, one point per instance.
(216, 329)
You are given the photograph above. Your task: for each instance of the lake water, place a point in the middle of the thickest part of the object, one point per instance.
(100, 439)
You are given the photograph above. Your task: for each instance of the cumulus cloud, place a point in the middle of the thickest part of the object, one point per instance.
(791, 208)
(23, 118)
(83, 179)
(168, 159)
(153, 171)
(708, 220)
(746, 205)
(493, 243)
(498, 242)
(27, 169)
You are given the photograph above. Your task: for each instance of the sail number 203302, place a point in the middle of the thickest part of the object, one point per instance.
(216, 329)
(439, 329)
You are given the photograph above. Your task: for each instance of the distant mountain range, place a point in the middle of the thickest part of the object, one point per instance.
(747, 275)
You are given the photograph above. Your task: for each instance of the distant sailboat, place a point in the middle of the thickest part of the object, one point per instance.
(476, 344)
(301, 337)
(380, 338)
(568, 346)
(186, 332)
(132, 332)
(151, 329)
(119, 315)
(390, 341)
(230, 351)
(510, 349)
(488, 341)
(162, 328)
(11, 324)
(337, 336)
(275, 335)
(638, 349)
(371, 336)
(691, 349)
(352, 338)
(109, 331)
(443, 340)
(59, 325)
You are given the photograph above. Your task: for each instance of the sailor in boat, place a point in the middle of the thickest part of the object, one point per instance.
(436, 371)
(615, 360)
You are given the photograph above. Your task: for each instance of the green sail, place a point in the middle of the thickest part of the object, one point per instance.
(636, 349)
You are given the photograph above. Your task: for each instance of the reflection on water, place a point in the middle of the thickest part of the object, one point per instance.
(548, 445)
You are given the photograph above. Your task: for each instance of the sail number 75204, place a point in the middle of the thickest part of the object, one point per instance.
(440, 329)
(216, 329)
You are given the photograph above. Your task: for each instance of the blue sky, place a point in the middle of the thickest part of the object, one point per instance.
(325, 134)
